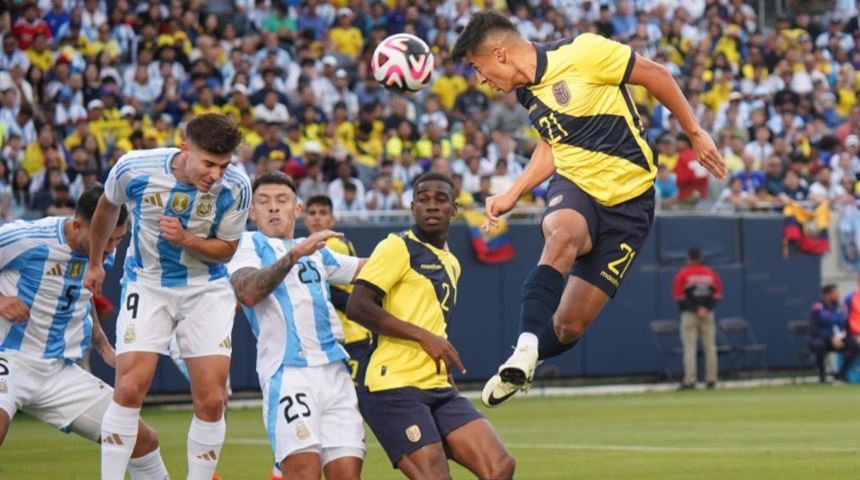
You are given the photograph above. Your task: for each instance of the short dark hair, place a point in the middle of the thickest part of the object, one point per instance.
(694, 254)
(827, 289)
(273, 178)
(477, 30)
(214, 133)
(88, 202)
(432, 176)
(321, 200)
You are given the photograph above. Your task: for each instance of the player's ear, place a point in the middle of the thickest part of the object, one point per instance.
(299, 209)
(500, 54)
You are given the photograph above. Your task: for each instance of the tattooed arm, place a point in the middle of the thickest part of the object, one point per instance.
(252, 285)
(100, 341)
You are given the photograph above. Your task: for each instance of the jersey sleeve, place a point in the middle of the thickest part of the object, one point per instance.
(233, 222)
(118, 181)
(339, 268)
(386, 265)
(601, 60)
(245, 256)
(14, 244)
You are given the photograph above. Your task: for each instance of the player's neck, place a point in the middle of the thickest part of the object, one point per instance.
(177, 167)
(525, 59)
(71, 238)
(438, 240)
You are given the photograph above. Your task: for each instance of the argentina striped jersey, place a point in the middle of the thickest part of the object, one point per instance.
(38, 267)
(144, 180)
(296, 325)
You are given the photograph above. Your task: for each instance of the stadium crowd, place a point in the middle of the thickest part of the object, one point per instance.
(84, 81)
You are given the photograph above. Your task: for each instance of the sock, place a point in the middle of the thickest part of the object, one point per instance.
(204, 447)
(119, 434)
(148, 467)
(549, 344)
(541, 295)
(528, 340)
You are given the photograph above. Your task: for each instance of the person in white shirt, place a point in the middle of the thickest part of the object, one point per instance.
(760, 148)
(310, 407)
(382, 196)
(272, 111)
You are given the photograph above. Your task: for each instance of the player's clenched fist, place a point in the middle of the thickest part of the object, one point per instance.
(14, 309)
(94, 278)
(172, 231)
(496, 206)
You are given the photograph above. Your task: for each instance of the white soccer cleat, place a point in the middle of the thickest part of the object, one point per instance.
(514, 375)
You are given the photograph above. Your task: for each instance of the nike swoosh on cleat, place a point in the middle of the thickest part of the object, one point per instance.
(492, 400)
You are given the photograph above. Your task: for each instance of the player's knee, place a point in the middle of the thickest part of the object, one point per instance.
(301, 471)
(569, 331)
(503, 468)
(210, 406)
(129, 393)
(560, 244)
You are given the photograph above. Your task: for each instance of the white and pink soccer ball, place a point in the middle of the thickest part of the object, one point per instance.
(403, 63)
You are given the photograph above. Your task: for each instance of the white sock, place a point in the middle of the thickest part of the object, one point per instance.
(148, 467)
(528, 340)
(119, 434)
(204, 447)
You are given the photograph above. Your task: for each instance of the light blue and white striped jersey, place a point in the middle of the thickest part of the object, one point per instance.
(39, 267)
(296, 325)
(143, 179)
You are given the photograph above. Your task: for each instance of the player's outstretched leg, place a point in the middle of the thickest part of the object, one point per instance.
(477, 446)
(566, 236)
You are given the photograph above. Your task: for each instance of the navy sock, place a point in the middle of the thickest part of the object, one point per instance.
(541, 295)
(549, 345)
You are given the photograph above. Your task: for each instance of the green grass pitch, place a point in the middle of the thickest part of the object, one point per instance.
(796, 432)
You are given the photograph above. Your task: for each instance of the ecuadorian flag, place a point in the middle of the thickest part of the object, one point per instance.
(807, 228)
(494, 246)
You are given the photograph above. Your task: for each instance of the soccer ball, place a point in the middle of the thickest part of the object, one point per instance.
(402, 63)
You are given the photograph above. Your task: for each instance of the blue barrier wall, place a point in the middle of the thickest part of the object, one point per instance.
(760, 285)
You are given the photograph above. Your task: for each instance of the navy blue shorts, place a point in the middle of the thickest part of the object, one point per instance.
(406, 419)
(359, 354)
(617, 232)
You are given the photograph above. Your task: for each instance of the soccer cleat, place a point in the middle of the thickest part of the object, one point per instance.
(514, 375)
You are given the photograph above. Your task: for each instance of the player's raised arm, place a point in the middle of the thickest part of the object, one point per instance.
(104, 221)
(657, 79)
(540, 168)
(252, 285)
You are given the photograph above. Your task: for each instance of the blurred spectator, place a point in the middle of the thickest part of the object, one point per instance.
(697, 289)
(824, 189)
(337, 187)
(666, 186)
(828, 331)
(750, 177)
(691, 175)
(382, 195)
(734, 197)
(5, 193)
(463, 198)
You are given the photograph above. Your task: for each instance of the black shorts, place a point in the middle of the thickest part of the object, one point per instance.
(359, 354)
(617, 232)
(406, 419)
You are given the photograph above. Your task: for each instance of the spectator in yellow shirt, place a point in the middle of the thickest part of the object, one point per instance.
(39, 54)
(449, 85)
(206, 103)
(344, 38)
(103, 43)
(34, 155)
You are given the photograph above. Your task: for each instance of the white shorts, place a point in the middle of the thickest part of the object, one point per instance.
(201, 317)
(313, 409)
(53, 391)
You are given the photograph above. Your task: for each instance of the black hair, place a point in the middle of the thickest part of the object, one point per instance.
(349, 187)
(88, 202)
(321, 200)
(274, 178)
(477, 30)
(432, 176)
(825, 290)
(214, 133)
(694, 254)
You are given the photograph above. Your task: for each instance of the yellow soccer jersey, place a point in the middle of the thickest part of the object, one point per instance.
(352, 332)
(580, 105)
(419, 284)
